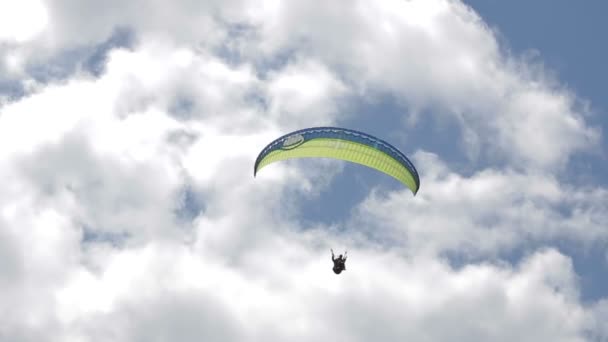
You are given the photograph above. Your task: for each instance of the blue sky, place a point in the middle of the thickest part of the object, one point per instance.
(566, 35)
(129, 210)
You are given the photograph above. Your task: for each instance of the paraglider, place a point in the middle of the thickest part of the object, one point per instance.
(343, 144)
(339, 262)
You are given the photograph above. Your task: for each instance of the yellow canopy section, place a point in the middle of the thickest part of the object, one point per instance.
(343, 144)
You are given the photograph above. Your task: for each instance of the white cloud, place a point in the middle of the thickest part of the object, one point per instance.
(94, 172)
(435, 55)
(21, 21)
(598, 327)
(489, 213)
(292, 91)
(167, 291)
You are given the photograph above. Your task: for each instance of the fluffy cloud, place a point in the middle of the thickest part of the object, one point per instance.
(129, 210)
(162, 291)
(598, 326)
(436, 55)
(491, 212)
(22, 21)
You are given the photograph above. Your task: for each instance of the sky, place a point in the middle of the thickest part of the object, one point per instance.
(129, 210)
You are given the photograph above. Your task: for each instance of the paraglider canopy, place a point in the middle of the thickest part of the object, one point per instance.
(344, 144)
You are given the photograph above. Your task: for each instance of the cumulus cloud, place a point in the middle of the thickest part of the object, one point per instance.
(438, 55)
(598, 327)
(491, 212)
(129, 210)
(22, 21)
(153, 292)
